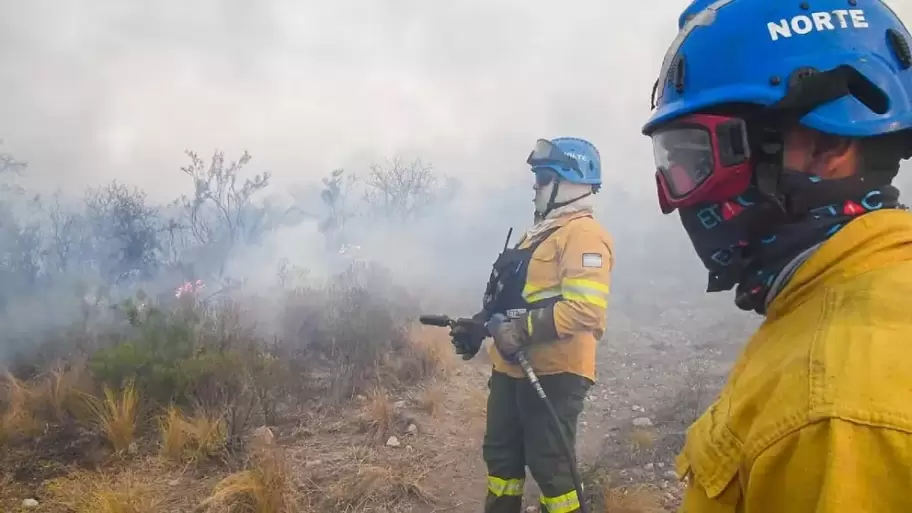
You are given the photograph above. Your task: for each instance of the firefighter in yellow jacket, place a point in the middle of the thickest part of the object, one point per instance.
(548, 297)
(778, 130)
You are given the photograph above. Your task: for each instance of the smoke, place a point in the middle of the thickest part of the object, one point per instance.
(104, 90)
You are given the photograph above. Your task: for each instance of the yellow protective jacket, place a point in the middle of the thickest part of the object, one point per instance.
(816, 415)
(566, 264)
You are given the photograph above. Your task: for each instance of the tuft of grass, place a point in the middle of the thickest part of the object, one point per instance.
(62, 387)
(642, 439)
(377, 484)
(633, 499)
(431, 397)
(265, 487)
(116, 415)
(432, 351)
(93, 492)
(605, 497)
(17, 418)
(195, 438)
(174, 438)
(378, 415)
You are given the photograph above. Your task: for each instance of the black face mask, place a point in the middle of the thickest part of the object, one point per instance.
(748, 240)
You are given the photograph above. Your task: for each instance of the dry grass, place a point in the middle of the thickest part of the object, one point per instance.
(263, 488)
(368, 484)
(195, 438)
(634, 499)
(378, 415)
(432, 348)
(62, 387)
(368, 479)
(642, 439)
(17, 418)
(116, 415)
(605, 497)
(431, 397)
(92, 492)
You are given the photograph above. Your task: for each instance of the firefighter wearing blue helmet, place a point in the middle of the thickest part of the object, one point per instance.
(778, 128)
(547, 297)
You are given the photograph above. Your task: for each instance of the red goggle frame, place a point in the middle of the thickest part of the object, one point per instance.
(701, 158)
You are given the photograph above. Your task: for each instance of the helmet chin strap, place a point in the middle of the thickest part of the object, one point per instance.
(552, 205)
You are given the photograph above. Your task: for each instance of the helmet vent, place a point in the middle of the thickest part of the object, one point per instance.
(679, 74)
(900, 48)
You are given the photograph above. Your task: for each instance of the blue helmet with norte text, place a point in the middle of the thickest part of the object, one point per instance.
(574, 160)
(755, 51)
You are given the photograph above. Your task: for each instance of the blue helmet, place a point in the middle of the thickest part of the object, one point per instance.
(695, 7)
(574, 160)
(751, 51)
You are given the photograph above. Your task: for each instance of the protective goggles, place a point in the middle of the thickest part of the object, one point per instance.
(544, 176)
(701, 158)
(545, 153)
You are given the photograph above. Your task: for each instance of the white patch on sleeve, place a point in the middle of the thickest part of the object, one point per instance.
(592, 260)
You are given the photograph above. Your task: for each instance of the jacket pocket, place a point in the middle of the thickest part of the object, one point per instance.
(710, 464)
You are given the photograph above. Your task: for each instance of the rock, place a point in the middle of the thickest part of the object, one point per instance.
(660, 464)
(642, 422)
(531, 509)
(29, 503)
(413, 429)
(636, 407)
(648, 466)
(393, 442)
(670, 474)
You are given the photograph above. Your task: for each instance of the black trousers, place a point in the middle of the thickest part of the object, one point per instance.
(520, 433)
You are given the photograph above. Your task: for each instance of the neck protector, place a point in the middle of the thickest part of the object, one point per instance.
(726, 237)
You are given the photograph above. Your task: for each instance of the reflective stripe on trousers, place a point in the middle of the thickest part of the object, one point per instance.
(566, 503)
(501, 487)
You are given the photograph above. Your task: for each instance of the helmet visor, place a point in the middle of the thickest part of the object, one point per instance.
(545, 153)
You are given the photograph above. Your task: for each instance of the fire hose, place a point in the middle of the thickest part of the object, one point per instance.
(444, 321)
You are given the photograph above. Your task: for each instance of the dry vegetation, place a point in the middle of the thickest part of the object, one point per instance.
(159, 414)
(366, 413)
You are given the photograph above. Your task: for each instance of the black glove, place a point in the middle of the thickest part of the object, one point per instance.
(468, 335)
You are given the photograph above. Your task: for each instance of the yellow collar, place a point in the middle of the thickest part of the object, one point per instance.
(872, 241)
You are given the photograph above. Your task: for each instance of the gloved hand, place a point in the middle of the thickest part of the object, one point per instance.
(509, 338)
(467, 337)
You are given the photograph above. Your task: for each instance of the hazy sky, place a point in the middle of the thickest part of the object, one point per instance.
(104, 89)
(96, 90)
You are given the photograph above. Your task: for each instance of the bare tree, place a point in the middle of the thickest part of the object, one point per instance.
(124, 230)
(403, 191)
(65, 239)
(338, 187)
(220, 211)
(9, 166)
